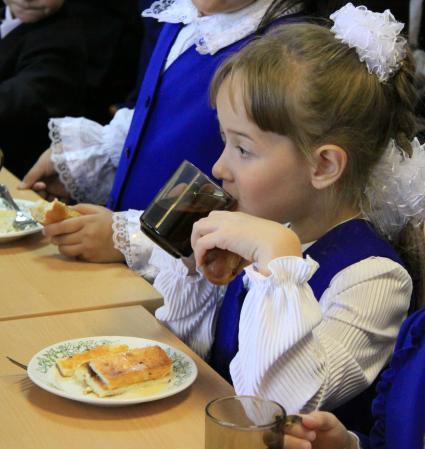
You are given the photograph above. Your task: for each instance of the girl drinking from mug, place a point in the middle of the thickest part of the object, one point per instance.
(317, 126)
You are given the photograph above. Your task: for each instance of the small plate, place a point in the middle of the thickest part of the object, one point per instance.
(14, 235)
(43, 372)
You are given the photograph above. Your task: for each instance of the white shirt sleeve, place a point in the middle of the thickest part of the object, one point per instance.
(84, 152)
(191, 302)
(300, 352)
(133, 243)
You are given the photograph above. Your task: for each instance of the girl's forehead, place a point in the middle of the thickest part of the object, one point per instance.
(234, 88)
(230, 95)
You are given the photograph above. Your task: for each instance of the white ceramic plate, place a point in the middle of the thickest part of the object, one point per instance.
(43, 372)
(14, 235)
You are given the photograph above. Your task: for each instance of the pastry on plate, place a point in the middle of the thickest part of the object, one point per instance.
(67, 365)
(119, 373)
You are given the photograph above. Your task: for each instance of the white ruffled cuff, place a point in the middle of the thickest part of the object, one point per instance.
(133, 243)
(84, 152)
(284, 270)
(279, 310)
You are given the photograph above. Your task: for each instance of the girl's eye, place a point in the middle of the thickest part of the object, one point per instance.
(242, 151)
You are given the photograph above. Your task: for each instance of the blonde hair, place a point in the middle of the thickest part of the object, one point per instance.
(301, 82)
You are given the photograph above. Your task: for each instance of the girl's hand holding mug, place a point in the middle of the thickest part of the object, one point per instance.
(255, 239)
(319, 430)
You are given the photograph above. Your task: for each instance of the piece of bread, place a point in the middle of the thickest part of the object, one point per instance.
(47, 213)
(221, 266)
(116, 374)
(68, 365)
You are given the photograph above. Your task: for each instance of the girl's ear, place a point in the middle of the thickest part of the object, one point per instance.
(329, 162)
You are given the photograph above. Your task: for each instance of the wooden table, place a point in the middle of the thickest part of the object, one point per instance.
(33, 418)
(35, 280)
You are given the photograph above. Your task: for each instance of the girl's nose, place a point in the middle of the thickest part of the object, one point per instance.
(218, 169)
(222, 169)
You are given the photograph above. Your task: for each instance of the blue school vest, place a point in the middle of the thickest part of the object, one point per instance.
(344, 245)
(156, 145)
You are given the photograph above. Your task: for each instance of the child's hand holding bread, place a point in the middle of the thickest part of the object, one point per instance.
(83, 231)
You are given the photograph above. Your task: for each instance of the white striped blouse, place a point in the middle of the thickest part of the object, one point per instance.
(293, 349)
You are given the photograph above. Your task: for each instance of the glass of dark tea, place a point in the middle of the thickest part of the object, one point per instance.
(185, 198)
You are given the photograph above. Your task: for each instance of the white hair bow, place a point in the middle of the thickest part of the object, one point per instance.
(375, 36)
(396, 189)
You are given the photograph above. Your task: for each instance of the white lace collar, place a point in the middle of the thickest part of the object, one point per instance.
(212, 32)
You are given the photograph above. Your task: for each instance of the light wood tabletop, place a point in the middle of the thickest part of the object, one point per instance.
(33, 418)
(35, 280)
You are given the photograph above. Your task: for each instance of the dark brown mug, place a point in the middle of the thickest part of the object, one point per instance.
(187, 196)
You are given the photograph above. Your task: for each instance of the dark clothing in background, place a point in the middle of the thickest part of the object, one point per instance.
(150, 33)
(112, 31)
(77, 62)
(41, 76)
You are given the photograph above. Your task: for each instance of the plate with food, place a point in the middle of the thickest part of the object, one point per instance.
(112, 370)
(7, 231)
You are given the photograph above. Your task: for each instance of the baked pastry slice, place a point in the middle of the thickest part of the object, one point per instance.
(46, 212)
(68, 365)
(221, 266)
(116, 374)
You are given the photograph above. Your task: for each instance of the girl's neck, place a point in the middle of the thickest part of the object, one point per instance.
(316, 225)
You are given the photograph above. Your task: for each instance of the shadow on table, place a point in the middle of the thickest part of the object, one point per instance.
(25, 244)
(49, 404)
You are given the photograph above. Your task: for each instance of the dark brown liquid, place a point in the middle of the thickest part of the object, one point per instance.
(171, 227)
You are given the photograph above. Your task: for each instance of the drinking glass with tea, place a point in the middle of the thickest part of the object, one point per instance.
(188, 196)
(246, 422)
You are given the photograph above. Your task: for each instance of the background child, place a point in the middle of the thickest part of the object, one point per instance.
(172, 121)
(398, 409)
(304, 123)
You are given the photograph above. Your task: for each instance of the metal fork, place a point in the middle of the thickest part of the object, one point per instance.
(15, 362)
(21, 220)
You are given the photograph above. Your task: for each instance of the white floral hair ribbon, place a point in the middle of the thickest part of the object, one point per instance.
(375, 36)
(396, 189)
